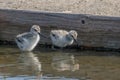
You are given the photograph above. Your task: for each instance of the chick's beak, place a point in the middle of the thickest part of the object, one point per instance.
(76, 41)
(43, 35)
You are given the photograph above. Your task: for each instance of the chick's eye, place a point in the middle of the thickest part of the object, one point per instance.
(35, 30)
(53, 35)
(72, 36)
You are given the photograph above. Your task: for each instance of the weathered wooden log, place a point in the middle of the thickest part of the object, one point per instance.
(95, 31)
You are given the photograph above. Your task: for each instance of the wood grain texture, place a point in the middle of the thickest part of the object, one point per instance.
(96, 31)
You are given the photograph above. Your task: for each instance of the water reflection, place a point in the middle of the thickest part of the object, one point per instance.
(31, 62)
(64, 62)
(58, 65)
(28, 63)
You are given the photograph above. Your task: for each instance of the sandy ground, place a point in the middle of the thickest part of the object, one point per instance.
(95, 7)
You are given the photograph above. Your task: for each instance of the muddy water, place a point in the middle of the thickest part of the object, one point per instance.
(46, 64)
